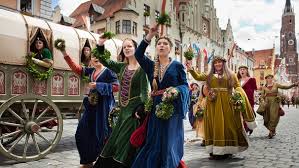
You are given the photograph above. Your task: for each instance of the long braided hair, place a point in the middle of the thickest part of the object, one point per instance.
(157, 63)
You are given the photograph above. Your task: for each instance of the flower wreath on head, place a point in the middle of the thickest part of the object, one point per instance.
(35, 70)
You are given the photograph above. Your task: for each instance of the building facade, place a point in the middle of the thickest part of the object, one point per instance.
(263, 64)
(36, 8)
(194, 24)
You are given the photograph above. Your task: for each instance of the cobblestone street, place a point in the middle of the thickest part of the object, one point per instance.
(282, 151)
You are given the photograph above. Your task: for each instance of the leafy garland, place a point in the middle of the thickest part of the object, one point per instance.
(35, 70)
(103, 56)
(165, 109)
(189, 55)
(113, 116)
(199, 114)
(238, 102)
(164, 19)
(60, 44)
(108, 35)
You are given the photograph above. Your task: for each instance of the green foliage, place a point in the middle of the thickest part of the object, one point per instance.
(199, 114)
(148, 105)
(164, 19)
(103, 56)
(36, 71)
(189, 55)
(164, 110)
(113, 116)
(60, 44)
(238, 102)
(108, 35)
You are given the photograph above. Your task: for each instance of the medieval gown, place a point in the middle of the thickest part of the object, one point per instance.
(93, 128)
(133, 93)
(164, 140)
(272, 99)
(224, 132)
(249, 87)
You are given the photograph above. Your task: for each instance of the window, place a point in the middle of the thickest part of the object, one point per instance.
(291, 60)
(91, 19)
(117, 27)
(157, 14)
(26, 6)
(134, 28)
(146, 9)
(126, 27)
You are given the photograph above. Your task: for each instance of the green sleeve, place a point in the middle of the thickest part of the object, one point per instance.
(198, 76)
(113, 65)
(284, 86)
(46, 53)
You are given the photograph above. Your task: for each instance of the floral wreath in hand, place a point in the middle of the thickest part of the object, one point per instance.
(165, 109)
(238, 102)
(35, 70)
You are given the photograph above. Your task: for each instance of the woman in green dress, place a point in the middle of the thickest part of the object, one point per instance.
(270, 95)
(223, 128)
(43, 56)
(118, 152)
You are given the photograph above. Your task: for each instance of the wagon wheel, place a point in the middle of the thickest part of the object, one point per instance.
(31, 115)
(7, 129)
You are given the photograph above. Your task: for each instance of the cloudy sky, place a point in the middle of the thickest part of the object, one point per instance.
(256, 23)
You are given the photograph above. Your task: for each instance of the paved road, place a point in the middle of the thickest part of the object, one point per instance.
(282, 151)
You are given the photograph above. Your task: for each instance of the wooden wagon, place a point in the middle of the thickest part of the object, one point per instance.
(31, 121)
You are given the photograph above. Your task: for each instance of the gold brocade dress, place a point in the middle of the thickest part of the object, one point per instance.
(272, 99)
(223, 128)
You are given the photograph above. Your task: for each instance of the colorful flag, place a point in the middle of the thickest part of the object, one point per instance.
(211, 56)
(205, 52)
(230, 54)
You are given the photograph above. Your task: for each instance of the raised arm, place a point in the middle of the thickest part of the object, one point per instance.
(280, 86)
(75, 67)
(198, 76)
(113, 65)
(145, 63)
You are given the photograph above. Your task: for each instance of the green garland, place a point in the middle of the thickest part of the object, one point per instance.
(106, 56)
(148, 105)
(164, 19)
(60, 44)
(35, 70)
(189, 55)
(108, 35)
(113, 116)
(238, 102)
(199, 114)
(164, 110)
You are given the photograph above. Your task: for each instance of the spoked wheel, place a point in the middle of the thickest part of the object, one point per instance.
(35, 124)
(7, 129)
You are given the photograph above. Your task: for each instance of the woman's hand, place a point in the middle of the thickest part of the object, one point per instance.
(92, 85)
(189, 65)
(154, 30)
(102, 40)
(136, 115)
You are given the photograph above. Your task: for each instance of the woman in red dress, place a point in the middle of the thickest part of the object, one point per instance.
(249, 86)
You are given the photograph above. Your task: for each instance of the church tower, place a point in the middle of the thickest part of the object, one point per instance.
(288, 42)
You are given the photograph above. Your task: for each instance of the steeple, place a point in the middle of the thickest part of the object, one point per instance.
(288, 7)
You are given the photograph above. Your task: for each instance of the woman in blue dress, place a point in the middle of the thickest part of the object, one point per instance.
(93, 128)
(163, 146)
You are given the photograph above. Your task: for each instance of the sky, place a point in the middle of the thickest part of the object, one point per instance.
(256, 23)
